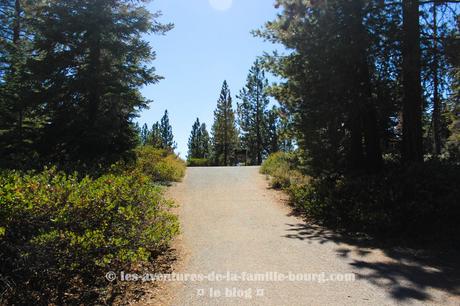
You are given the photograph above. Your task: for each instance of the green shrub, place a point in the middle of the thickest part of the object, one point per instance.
(160, 165)
(418, 202)
(198, 162)
(283, 170)
(57, 230)
(274, 162)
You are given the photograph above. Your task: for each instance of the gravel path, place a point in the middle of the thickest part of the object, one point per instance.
(232, 222)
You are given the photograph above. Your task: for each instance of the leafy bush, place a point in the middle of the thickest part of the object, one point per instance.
(283, 170)
(198, 162)
(274, 162)
(57, 230)
(160, 165)
(418, 202)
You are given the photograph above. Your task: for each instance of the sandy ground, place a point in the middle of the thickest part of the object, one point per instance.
(234, 226)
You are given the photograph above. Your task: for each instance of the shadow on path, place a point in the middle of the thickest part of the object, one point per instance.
(408, 273)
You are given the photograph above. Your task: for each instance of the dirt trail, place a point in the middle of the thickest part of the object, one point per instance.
(232, 222)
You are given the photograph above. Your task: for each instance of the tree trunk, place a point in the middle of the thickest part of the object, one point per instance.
(17, 22)
(258, 131)
(16, 41)
(412, 143)
(365, 108)
(226, 130)
(94, 90)
(436, 116)
(356, 152)
(374, 159)
(372, 147)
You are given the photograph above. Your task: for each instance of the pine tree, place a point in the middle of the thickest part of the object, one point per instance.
(144, 134)
(138, 129)
(286, 133)
(199, 145)
(412, 145)
(194, 140)
(20, 115)
(453, 141)
(204, 142)
(375, 86)
(273, 131)
(92, 61)
(199, 141)
(224, 132)
(328, 90)
(167, 136)
(155, 138)
(252, 114)
(436, 33)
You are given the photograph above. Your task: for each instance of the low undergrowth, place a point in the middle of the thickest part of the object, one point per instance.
(160, 165)
(199, 162)
(283, 171)
(417, 203)
(61, 233)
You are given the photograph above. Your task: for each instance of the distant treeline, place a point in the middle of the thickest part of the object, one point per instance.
(246, 135)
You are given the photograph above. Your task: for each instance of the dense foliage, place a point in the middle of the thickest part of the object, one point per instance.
(70, 79)
(199, 162)
(417, 204)
(370, 92)
(253, 115)
(348, 105)
(60, 234)
(283, 170)
(160, 136)
(199, 143)
(224, 131)
(159, 165)
(167, 136)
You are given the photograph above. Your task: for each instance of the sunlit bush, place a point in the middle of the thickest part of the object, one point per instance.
(56, 229)
(198, 162)
(282, 168)
(160, 165)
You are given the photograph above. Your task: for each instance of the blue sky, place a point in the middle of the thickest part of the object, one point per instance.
(207, 46)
